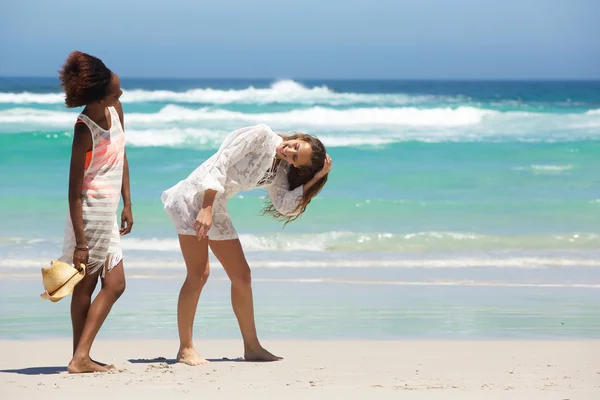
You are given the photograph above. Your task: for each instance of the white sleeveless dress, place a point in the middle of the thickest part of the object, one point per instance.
(100, 195)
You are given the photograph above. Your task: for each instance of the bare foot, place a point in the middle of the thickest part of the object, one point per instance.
(108, 366)
(260, 354)
(189, 356)
(84, 366)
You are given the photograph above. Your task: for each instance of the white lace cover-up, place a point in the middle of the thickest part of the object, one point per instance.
(244, 162)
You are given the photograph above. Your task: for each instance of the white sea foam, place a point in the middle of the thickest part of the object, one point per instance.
(137, 273)
(175, 137)
(285, 91)
(152, 263)
(426, 242)
(419, 242)
(545, 168)
(360, 118)
(174, 125)
(31, 98)
(551, 168)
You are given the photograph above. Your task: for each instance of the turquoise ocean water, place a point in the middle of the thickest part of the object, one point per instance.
(455, 209)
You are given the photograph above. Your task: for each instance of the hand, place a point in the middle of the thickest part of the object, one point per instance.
(326, 167)
(126, 220)
(80, 257)
(203, 223)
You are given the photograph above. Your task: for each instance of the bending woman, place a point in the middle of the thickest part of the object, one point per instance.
(292, 168)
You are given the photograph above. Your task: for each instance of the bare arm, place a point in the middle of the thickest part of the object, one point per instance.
(286, 201)
(125, 190)
(319, 175)
(82, 143)
(126, 214)
(209, 198)
(204, 219)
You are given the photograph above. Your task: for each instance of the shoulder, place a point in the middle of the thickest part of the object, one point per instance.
(81, 128)
(82, 136)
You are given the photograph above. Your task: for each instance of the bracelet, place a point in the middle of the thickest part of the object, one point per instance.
(86, 248)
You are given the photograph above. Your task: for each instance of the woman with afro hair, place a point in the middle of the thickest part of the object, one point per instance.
(99, 177)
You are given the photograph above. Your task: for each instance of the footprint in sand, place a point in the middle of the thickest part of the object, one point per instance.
(162, 367)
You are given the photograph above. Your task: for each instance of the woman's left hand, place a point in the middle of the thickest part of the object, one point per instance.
(126, 221)
(203, 223)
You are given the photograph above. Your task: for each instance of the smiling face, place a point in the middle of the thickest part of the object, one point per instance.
(306, 155)
(296, 152)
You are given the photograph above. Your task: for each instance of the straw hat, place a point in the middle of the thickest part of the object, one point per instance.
(60, 280)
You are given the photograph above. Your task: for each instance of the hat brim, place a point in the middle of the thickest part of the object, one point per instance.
(66, 289)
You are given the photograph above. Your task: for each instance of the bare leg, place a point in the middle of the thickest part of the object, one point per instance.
(80, 305)
(113, 286)
(231, 256)
(195, 255)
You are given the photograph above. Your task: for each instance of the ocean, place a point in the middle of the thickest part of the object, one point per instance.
(454, 209)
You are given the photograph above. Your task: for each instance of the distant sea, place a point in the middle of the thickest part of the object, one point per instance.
(455, 209)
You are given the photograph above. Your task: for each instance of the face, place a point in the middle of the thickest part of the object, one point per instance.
(295, 152)
(114, 91)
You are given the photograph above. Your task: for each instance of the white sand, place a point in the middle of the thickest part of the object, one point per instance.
(462, 370)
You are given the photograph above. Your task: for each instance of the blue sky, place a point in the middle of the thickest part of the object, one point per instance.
(420, 39)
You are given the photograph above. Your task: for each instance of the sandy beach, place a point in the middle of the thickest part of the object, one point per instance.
(316, 369)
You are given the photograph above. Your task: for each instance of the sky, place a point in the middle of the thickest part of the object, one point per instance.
(373, 39)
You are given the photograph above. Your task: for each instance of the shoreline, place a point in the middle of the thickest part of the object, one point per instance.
(413, 369)
(315, 307)
(433, 283)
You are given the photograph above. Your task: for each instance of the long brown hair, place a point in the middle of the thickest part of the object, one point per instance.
(300, 176)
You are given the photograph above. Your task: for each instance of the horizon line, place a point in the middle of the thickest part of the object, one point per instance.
(570, 79)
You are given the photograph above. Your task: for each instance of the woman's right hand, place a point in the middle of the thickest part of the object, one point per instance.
(203, 223)
(326, 167)
(80, 257)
